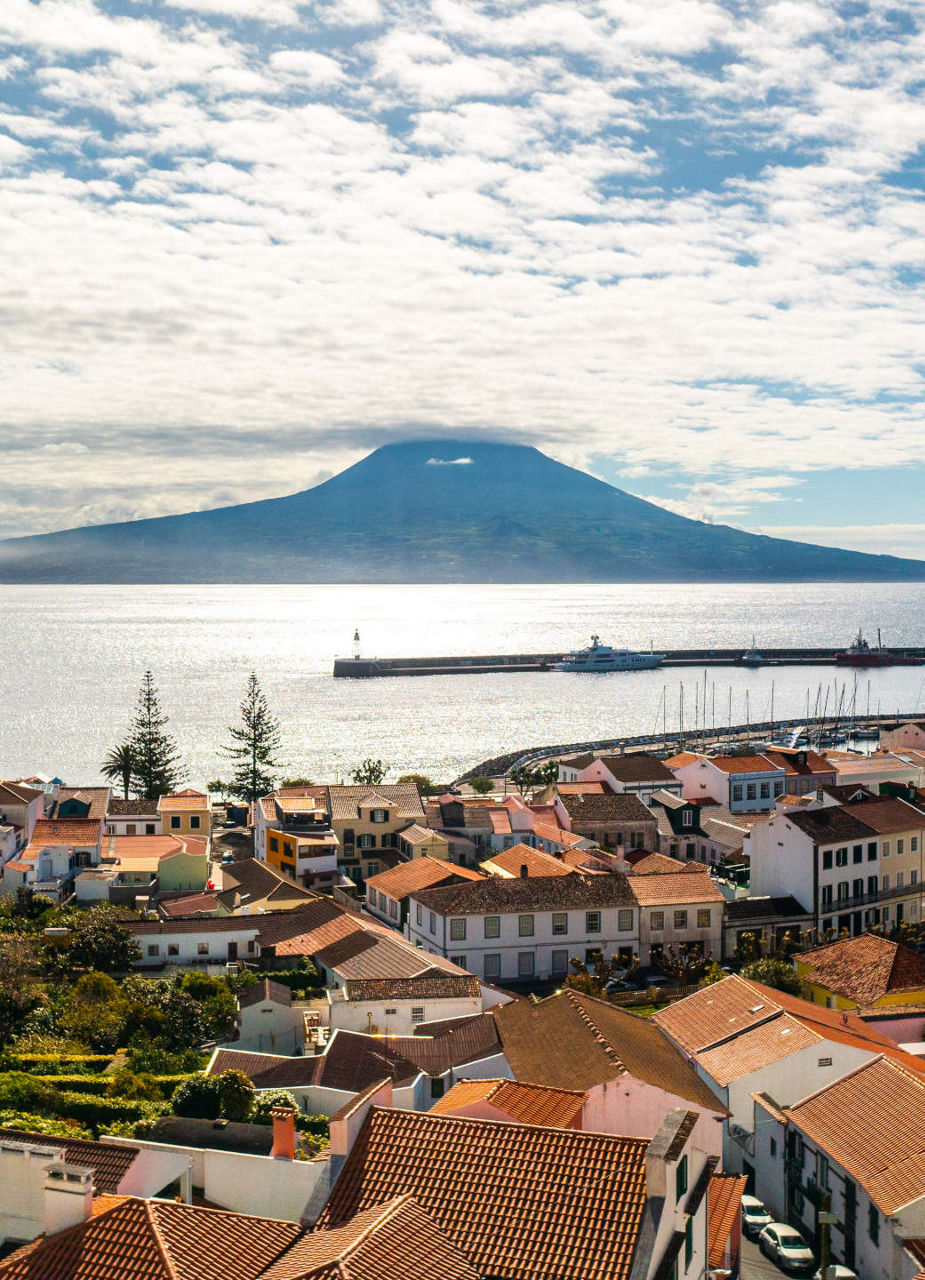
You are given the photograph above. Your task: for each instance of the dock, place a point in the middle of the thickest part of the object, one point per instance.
(483, 664)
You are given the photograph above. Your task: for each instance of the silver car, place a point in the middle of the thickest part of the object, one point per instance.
(755, 1216)
(785, 1246)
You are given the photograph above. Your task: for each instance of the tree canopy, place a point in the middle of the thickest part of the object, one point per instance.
(155, 759)
(255, 746)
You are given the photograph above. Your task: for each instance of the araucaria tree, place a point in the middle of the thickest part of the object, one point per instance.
(255, 746)
(155, 759)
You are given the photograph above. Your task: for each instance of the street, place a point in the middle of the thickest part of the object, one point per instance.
(755, 1266)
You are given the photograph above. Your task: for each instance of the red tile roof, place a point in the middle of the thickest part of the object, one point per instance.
(519, 1201)
(660, 864)
(872, 1123)
(69, 831)
(724, 1206)
(673, 887)
(420, 873)
(864, 969)
(524, 1103)
(109, 1161)
(537, 863)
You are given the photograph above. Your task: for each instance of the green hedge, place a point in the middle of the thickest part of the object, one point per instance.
(99, 1112)
(98, 1084)
(51, 1064)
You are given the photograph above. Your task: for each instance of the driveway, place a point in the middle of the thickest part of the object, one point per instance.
(755, 1266)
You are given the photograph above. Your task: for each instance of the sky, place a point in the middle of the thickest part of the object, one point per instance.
(677, 243)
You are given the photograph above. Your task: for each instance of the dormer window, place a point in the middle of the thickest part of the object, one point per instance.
(687, 818)
(378, 815)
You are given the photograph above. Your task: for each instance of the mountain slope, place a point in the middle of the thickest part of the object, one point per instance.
(438, 510)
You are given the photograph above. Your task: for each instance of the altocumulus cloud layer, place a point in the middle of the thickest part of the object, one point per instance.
(245, 240)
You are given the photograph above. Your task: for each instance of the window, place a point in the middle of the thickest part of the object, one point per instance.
(773, 1147)
(873, 884)
(657, 921)
(687, 818)
(592, 922)
(765, 791)
(525, 964)
(841, 857)
(689, 850)
(703, 918)
(592, 955)
(366, 842)
(872, 851)
(418, 913)
(826, 895)
(433, 923)
(778, 788)
(560, 922)
(873, 1224)
(372, 868)
(900, 879)
(390, 1013)
(737, 791)
(857, 888)
(823, 1172)
(459, 961)
(842, 890)
(393, 909)
(680, 919)
(857, 853)
(913, 877)
(751, 791)
(458, 930)
(374, 897)
(153, 949)
(886, 882)
(885, 849)
(389, 839)
(288, 867)
(436, 1087)
(378, 815)
(559, 963)
(525, 926)
(827, 860)
(886, 915)
(914, 844)
(492, 962)
(825, 1062)
(175, 821)
(194, 822)
(417, 1013)
(202, 948)
(680, 1178)
(688, 1242)
(900, 847)
(274, 844)
(173, 949)
(624, 920)
(492, 926)
(348, 835)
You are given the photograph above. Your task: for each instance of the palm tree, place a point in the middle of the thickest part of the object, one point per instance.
(119, 765)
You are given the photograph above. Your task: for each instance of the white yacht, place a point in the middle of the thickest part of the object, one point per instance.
(751, 657)
(600, 657)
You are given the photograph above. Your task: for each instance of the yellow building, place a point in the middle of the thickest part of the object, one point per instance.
(186, 813)
(862, 973)
(368, 821)
(421, 842)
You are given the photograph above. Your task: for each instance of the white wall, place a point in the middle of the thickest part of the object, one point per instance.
(636, 1109)
(22, 1179)
(268, 1027)
(372, 1015)
(187, 944)
(781, 861)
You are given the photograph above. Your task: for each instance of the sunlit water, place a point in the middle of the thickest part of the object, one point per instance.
(71, 659)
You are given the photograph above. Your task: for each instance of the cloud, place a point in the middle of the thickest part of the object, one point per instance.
(264, 237)
(449, 462)
(886, 539)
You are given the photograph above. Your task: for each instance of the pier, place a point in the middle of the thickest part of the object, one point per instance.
(483, 664)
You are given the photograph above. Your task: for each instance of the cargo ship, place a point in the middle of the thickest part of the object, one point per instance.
(860, 654)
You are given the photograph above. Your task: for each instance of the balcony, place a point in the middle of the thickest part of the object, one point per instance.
(870, 899)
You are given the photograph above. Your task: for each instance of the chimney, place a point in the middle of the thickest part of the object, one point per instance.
(67, 1196)
(283, 1133)
(523, 871)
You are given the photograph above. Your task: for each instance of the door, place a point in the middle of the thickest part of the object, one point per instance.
(232, 951)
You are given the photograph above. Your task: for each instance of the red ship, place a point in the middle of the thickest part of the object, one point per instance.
(862, 655)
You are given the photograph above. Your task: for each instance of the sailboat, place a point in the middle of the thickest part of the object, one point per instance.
(751, 657)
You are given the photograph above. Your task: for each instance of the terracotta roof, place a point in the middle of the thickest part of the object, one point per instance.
(190, 905)
(612, 808)
(392, 1241)
(660, 863)
(682, 759)
(511, 861)
(380, 958)
(887, 815)
(257, 881)
(745, 764)
(16, 793)
(589, 788)
(572, 1041)
(68, 831)
(864, 969)
(577, 762)
(519, 1201)
(637, 766)
(430, 985)
(673, 887)
(144, 846)
(832, 825)
(556, 835)
(97, 798)
(755, 1048)
(800, 763)
(109, 1161)
(872, 1123)
(724, 1205)
(420, 873)
(119, 808)
(403, 798)
(785, 908)
(524, 1103)
(266, 989)
(271, 1070)
(155, 1240)
(186, 800)
(541, 893)
(416, 834)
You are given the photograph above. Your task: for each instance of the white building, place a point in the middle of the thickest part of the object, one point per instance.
(740, 783)
(524, 928)
(637, 772)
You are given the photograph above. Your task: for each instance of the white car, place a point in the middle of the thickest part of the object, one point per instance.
(755, 1216)
(835, 1271)
(785, 1246)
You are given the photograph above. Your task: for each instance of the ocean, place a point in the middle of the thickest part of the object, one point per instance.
(72, 658)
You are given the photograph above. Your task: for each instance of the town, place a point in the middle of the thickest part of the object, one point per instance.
(612, 1015)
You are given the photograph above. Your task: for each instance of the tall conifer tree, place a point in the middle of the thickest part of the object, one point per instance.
(155, 759)
(256, 742)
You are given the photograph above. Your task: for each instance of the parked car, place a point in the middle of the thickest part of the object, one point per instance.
(621, 984)
(785, 1246)
(835, 1271)
(755, 1216)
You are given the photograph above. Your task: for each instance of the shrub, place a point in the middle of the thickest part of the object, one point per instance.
(99, 1112)
(21, 1092)
(30, 1122)
(139, 1088)
(773, 973)
(481, 786)
(200, 1097)
(266, 1100)
(52, 1064)
(151, 1055)
(237, 1095)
